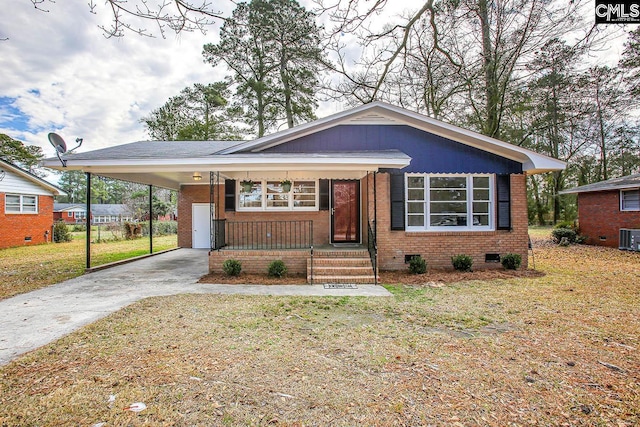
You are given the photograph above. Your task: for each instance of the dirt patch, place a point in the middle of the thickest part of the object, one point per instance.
(431, 278)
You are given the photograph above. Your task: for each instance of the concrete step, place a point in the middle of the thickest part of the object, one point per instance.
(346, 253)
(339, 262)
(319, 279)
(341, 270)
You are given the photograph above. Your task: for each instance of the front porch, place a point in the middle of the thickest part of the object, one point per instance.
(257, 244)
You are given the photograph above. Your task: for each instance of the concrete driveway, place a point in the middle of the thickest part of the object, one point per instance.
(31, 320)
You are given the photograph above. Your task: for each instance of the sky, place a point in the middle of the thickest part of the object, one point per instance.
(59, 73)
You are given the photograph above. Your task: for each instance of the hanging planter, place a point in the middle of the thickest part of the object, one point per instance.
(247, 186)
(286, 185)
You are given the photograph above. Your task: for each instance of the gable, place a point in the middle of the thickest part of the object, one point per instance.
(16, 184)
(429, 153)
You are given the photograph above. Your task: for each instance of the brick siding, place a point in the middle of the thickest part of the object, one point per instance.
(257, 262)
(601, 219)
(15, 228)
(437, 248)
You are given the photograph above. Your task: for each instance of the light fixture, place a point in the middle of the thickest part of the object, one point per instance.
(197, 176)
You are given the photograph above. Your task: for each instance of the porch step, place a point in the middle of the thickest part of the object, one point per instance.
(341, 266)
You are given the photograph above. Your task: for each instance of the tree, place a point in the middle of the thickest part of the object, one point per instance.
(630, 62)
(486, 43)
(14, 151)
(198, 113)
(173, 15)
(271, 47)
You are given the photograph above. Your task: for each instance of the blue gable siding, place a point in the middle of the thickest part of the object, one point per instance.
(430, 153)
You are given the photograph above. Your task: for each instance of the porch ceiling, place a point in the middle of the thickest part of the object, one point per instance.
(173, 172)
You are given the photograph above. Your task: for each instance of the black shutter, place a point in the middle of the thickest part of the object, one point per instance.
(397, 201)
(503, 186)
(324, 194)
(230, 195)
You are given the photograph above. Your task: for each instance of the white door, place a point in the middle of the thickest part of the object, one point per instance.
(201, 225)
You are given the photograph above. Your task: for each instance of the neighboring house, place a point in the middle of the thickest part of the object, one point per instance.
(71, 213)
(101, 213)
(391, 181)
(606, 207)
(26, 206)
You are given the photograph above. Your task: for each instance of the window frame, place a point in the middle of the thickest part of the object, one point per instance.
(291, 199)
(21, 204)
(426, 203)
(623, 208)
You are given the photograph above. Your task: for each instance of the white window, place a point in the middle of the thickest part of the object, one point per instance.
(630, 200)
(271, 195)
(17, 203)
(449, 202)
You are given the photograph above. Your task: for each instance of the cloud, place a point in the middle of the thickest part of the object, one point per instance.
(61, 74)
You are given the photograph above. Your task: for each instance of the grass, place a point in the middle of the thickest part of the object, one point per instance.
(26, 268)
(561, 349)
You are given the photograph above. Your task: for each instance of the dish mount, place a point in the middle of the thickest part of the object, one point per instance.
(61, 147)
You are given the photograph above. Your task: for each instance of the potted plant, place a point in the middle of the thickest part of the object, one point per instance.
(286, 185)
(246, 185)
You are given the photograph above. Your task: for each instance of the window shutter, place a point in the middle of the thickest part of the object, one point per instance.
(229, 195)
(397, 201)
(324, 194)
(503, 187)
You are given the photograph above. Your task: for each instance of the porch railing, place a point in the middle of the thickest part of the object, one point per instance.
(372, 246)
(218, 236)
(251, 235)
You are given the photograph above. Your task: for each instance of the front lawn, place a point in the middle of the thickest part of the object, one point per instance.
(27, 268)
(558, 349)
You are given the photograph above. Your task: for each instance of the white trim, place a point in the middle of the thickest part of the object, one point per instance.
(35, 179)
(263, 198)
(426, 227)
(21, 204)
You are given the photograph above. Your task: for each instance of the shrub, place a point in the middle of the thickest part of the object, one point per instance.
(568, 234)
(566, 224)
(462, 262)
(417, 265)
(79, 227)
(277, 268)
(61, 232)
(160, 228)
(511, 261)
(232, 267)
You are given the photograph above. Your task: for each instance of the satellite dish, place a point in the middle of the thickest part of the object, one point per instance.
(57, 142)
(61, 146)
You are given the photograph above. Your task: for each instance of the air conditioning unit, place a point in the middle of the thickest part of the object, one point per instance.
(629, 239)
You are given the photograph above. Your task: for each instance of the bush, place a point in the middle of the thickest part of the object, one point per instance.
(417, 265)
(511, 261)
(61, 232)
(79, 227)
(462, 262)
(569, 235)
(277, 268)
(160, 228)
(566, 224)
(232, 267)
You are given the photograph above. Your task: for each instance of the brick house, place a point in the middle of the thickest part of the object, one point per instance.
(371, 186)
(101, 213)
(26, 207)
(606, 207)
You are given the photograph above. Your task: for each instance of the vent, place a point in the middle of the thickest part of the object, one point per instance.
(629, 239)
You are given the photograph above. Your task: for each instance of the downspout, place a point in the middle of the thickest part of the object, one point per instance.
(150, 219)
(88, 221)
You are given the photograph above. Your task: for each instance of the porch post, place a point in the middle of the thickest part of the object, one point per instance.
(88, 221)
(150, 219)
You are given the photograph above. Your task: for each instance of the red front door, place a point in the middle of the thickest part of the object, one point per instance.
(345, 211)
